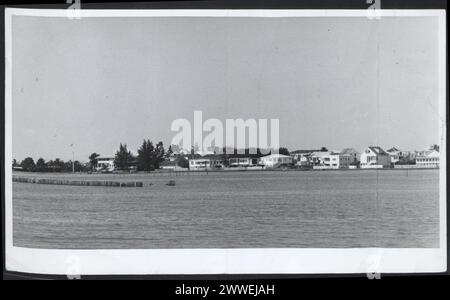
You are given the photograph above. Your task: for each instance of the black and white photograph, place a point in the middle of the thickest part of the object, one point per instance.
(225, 141)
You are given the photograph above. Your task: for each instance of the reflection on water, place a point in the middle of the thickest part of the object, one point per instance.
(383, 208)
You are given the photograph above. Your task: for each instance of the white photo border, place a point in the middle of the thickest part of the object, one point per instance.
(235, 260)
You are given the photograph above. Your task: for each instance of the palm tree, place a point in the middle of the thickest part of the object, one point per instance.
(93, 160)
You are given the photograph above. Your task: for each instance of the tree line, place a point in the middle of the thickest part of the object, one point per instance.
(149, 156)
(57, 165)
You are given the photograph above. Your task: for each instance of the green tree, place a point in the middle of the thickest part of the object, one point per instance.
(123, 158)
(41, 166)
(145, 156)
(93, 160)
(28, 164)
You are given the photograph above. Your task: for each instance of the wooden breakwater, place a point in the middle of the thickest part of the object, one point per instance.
(79, 182)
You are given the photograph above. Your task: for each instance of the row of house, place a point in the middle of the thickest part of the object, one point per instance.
(240, 161)
(324, 159)
(373, 157)
(424, 159)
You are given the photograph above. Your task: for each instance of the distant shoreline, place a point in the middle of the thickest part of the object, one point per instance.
(233, 170)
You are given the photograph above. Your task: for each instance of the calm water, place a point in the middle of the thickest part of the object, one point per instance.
(390, 208)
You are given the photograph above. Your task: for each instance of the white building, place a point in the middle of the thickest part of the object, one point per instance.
(168, 165)
(243, 161)
(317, 158)
(374, 157)
(198, 164)
(394, 155)
(302, 158)
(105, 164)
(334, 160)
(430, 159)
(275, 160)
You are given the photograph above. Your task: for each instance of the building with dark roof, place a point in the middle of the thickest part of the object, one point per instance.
(375, 157)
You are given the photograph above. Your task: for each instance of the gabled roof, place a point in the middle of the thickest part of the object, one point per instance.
(433, 153)
(377, 150)
(349, 151)
(393, 149)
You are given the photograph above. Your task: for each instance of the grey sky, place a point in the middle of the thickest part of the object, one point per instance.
(335, 82)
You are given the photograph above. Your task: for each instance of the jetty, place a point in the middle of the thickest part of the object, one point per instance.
(79, 182)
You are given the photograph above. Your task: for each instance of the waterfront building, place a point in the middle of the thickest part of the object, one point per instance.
(334, 160)
(302, 158)
(168, 165)
(207, 162)
(401, 157)
(275, 160)
(105, 164)
(317, 158)
(429, 159)
(394, 155)
(242, 161)
(374, 157)
(355, 156)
